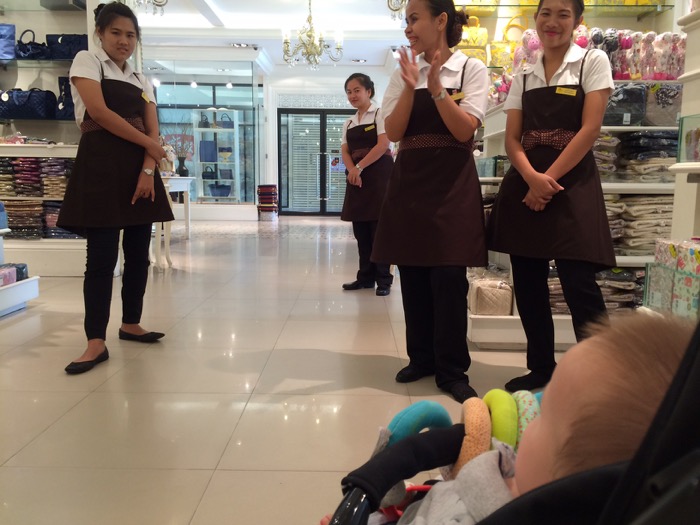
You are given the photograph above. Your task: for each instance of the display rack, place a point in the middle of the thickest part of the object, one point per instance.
(14, 297)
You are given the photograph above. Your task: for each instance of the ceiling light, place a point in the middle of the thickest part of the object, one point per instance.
(156, 6)
(221, 70)
(193, 84)
(310, 46)
(155, 82)
(229, 85)
(397, 8)
(358, 60)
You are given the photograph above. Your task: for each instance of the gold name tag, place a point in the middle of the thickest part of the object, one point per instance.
(457, 96)
(145, 97)
(566, 91)
(370, 127)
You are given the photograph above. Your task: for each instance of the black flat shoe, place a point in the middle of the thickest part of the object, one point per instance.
(83, 366)
(383, 290)
(357, 285)
(462, 391)
(410, 373)
(531, 381)
(148, 337)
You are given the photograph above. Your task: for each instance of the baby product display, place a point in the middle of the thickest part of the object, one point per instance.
(673, 279)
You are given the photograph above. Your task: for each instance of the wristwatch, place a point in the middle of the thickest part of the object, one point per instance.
(148, 171)
(360, 168)
(441, 95)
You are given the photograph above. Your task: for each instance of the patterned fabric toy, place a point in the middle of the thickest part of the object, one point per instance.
(581, 37)
(634, 56)
(648, 56)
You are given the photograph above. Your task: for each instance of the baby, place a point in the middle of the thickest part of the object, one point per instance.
(595, 411)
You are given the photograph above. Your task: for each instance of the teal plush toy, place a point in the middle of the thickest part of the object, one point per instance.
(417, 417)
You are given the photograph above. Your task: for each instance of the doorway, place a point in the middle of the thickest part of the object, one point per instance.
(311, 168)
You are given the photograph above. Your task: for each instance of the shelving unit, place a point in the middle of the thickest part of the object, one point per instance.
(228, 138)
(14, 297)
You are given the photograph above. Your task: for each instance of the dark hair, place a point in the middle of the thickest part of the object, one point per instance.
(105, 14)
(364, 81)
(577, 6)
(455, 19)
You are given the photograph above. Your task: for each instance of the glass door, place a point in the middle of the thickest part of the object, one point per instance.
(312, 173)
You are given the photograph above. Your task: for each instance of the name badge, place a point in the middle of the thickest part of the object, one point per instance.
(370, 127)
(457, 96)
(145, 97)
(566, 91)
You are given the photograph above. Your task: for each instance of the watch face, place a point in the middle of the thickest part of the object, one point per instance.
(148, 171)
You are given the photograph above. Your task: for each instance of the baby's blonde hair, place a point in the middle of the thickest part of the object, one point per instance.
(638, 356)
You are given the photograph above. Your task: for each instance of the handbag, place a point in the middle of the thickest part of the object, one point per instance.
(503, 51)
(228, 123)
(226, 173)
(7, 41)
(32, 104)
(208, 173)
(65, 108)
(474, 39)
(207, 151)
(204, 122)
(65, 47)
(31, 50)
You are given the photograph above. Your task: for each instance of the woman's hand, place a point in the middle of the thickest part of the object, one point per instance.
(434, 84)
(354, 177)
(542, 189)
(155, 151)
(145, 188)
(409, 68)
(534, 203)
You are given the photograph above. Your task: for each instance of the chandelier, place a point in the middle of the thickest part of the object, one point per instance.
(157, 6)
(310, 47)
(397, 8)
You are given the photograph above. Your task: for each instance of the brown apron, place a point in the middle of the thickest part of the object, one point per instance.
(574, 224)
(365, 203)
(433, 213)
(107, 169)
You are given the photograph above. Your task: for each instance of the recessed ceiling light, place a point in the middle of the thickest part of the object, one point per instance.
(229, 85)
(155, 82)
(242, 44)
(193, 84)
(221, 69)
(156, 68)
(358, 60)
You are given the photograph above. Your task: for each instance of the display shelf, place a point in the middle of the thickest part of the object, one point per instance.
(43, 64)
(215, 130)
(639, 12)
(14, 296)
(488, 331)
(63, 151)
(647, 188)
(49, 257)
(31, 198)
(623, 129)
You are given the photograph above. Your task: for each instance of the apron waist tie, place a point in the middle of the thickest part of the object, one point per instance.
(432, 140)
(555, 138)
(359, 154)
(90, 125)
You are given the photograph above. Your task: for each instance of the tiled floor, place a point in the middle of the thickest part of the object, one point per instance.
(270, 385)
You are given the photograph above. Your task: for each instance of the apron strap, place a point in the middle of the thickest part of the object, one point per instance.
(580, 74)
(464, 68)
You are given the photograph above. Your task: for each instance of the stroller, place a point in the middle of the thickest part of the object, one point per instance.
(659, 486)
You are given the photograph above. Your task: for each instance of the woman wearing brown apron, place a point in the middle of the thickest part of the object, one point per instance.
(432, 223)
(550, 204)
(115, 184)
(368, 160)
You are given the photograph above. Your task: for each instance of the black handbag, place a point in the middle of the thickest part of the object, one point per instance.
(32, 104)
(204, 122)
(225, 123)
(65, 47)
(31, 50)
(7, 41)
(208, 173)
(65, 108)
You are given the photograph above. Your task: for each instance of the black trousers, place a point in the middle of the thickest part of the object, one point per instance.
(102, 255)
(582, 295)
(369, 272)
(435, 310)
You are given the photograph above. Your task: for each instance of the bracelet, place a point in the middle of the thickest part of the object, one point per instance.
(441, 95)
(359, 167)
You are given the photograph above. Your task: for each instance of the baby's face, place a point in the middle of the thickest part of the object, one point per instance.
(545, 435)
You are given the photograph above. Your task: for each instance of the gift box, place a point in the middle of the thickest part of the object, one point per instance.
(490, 297)
(658, 287)
(689, 257)
(8, 275)
(21, 270)
(686, 295)
(666, 253)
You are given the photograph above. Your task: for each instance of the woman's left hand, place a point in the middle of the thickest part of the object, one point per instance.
(535, 203)
(145, 189)
(354, 177)
(434, 84)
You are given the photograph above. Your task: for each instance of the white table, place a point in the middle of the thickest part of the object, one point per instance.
(181, 184)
